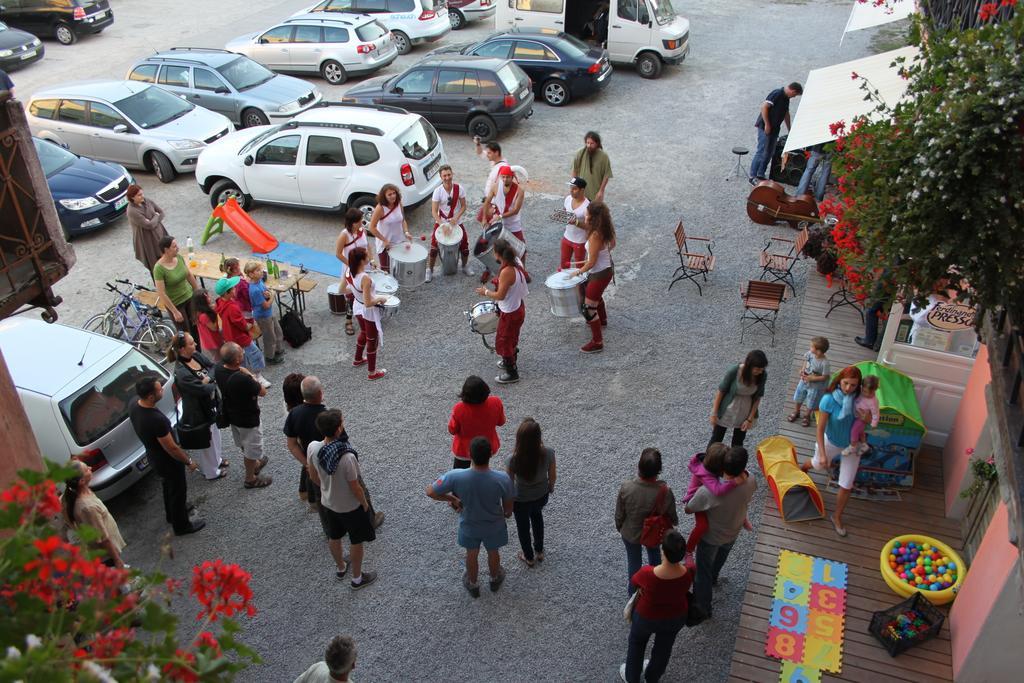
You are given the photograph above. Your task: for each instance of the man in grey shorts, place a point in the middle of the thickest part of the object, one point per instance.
(240, 394)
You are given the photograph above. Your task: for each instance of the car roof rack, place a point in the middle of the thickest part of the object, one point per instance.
(386, 108)
(199, 49)
(347, 20)
(354, 127)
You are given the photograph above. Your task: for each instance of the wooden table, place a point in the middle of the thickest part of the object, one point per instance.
(290, 291)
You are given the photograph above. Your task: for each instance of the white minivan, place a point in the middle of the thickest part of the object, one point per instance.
(647, 33)
(77, 387)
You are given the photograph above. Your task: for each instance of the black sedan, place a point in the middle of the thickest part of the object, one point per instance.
(561, 66)
(88, 194)
(18, 48)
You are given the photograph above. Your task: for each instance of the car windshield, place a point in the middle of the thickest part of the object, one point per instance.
(370, 32)
(243, 73)
(153, 107)
(418, 140)
(259, 138)
(53, 158)
(663, 11)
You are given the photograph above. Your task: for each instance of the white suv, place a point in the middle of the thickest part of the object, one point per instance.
(331, 157)
(410, 21)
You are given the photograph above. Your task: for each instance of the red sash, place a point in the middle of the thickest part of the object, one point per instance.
(454, 203)
(391, 210)
(510, 196)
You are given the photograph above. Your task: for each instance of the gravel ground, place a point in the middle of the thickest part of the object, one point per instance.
(669, 141)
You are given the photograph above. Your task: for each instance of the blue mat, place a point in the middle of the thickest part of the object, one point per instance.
(311, 259)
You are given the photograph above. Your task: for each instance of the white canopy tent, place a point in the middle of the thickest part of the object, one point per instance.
(831, 94)
(867, 14)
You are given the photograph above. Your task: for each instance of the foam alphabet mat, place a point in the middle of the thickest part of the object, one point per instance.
(805, 629)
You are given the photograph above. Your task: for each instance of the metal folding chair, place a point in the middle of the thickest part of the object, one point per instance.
(777, 266)
(692, 264)
(761, 304)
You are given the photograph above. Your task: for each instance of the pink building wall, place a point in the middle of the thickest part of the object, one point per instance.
(967, 426)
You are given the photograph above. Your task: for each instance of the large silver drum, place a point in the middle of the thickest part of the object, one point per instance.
(383, 283)
(389, 308)
(565, 294)
(483, 317)
(408, 264)
(449, 237)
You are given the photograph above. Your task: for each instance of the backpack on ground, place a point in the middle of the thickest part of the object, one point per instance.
(295, 331)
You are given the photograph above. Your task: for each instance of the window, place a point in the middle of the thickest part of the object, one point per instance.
(281, 152)
(644, 17)
(333, 34)
(498, 48)
(488, 84)
(364, 153)
(416, 82)
(533, 51)
(549, 6)
(371, 31)
(419, 140)
(153, 107)
(399, 5)
(174, 75)
(43, 109)
(510, 78)
(452, 82)
(372, 6)
(334, 6)
(281, 34)
(324, 151)
(205, 80)
(307, 34)
(145, 73)
(102, 116)
(72, 111)
(627, 9)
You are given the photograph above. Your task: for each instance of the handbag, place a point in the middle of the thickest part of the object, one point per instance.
(627, 611)
(656, 523)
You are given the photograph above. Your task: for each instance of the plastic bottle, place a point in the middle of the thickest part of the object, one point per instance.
(190, 247)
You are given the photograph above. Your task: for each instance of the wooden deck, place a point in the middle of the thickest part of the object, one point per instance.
(870, 524)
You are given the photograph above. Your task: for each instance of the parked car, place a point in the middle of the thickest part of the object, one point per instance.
(480, 95)
(227, 83)
(88, 194)
(461, 12)
(335, 46)
(411, 22)
(65, 20)
(76, 388)
(135, 124)
(562, 67)
(332, 156)
(17, 48)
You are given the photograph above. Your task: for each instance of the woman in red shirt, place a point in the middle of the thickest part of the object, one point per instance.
(659, 611)
(476, 414)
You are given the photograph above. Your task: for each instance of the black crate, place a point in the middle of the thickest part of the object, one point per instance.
(922, 608)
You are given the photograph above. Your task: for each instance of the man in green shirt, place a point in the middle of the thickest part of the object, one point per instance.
(592, 164)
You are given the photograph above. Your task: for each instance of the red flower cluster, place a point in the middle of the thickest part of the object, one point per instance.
(222, 589)
(106, 645)
(61, 575)
(40, 500)
(182, 670)
(837, 128)
(989, 10)
(205, 639)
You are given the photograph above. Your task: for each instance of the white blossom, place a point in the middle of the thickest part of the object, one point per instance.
(32, 641)
(13, 652)
(99, 672)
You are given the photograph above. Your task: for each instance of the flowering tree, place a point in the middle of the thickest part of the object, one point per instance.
(67, 616)
(935, 183)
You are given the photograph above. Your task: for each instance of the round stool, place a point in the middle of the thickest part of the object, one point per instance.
(738, 171)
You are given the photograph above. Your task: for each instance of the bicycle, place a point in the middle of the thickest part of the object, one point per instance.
(130, 320)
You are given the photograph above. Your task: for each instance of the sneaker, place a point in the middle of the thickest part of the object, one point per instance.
(622, 669)
(466, 270)
(430, 274)
(473, 588)
(510, 376)
(276, 360)
(362, 361)
(538, 555)
(501, 363)
(341, 574)
(365, 580)
(376, 375)
(263, 381)
(592, 347)
(496, 581)
(194, 526)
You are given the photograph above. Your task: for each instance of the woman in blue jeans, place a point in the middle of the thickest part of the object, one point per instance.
(636, 501)
(660, 611)
(532, 469)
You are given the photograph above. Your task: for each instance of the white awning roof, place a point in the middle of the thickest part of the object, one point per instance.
(832, 94)
(867, 14)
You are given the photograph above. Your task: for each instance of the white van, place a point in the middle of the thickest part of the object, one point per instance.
(647, 33)
(76, 387)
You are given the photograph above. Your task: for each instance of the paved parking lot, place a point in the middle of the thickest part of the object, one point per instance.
(669, 142)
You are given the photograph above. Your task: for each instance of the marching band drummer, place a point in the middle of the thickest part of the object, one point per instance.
(600, 242)
(448, 205)
(388, 223)
(574, 239)
(511, 297)
(352, 236)
(365, 308)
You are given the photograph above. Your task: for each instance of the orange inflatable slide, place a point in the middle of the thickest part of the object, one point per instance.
(248, 230)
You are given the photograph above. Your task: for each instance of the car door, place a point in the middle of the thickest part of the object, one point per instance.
(324, 173)
(175, 78)
(273, 174)
(209, 90)
(113, 145)
(412, 91)
(537, 60)
(629, 29)
(306, 48)
(454, 95)
(72, 125)
(273, 48)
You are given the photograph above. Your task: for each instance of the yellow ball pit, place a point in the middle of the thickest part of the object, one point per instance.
(903, 588)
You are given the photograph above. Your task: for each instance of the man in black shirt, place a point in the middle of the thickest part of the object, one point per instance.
(154, 430)
(241, 391)
(774, 112)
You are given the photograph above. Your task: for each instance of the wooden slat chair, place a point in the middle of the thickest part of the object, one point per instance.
(692, 264)
(777, 266)
(761, 303)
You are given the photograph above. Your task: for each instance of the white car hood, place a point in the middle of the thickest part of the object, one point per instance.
(198, 124)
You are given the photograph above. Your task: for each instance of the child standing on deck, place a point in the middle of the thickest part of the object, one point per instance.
(813, 379)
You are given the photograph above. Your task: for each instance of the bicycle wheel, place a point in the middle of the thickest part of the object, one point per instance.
(101, 323)
(154, 339)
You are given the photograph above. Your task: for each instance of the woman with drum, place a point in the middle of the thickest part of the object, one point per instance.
(387, 223)
(599, 269)
(352, 236)
(365, 309)
(574, 239)
(448, 205)
(511, 297)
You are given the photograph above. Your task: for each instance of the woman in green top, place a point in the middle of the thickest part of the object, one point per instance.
(738, 397)
(175, 284)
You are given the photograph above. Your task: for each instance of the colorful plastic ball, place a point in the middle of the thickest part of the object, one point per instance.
(951, 565)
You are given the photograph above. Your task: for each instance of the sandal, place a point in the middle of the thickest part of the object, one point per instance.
(260, 465)
(840, 531)
(219, 476)
(224, 463)
(349, 327)
(258, 483)
(793, 417)
(341, 572)
(522, 558)
(806, 422)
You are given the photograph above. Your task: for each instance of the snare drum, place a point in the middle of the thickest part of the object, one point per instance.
(483, 317)
(517, 244)
(389, 308)
(336, 299)
(408, 264)
(449, 237)
(383, 283)
(564, 292)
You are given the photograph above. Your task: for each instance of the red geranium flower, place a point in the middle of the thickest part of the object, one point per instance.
(182, 670)
(988, 11)
(222, 589)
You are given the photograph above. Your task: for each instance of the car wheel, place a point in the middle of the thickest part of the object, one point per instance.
(253, 117)
(223, 190)
(483, 127)
(333, 72)
(64, 34)
(555, 92)
(649, 65)
(162, 167)
(365, 203)
(402, 42)
(458, 21)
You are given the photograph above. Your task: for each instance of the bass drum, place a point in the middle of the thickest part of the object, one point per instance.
(336, 299)
(483, 318)
(408, 264)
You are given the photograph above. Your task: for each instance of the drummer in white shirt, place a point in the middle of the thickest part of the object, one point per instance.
(490, 151)
(574, 240)
(448, 206)
(388, 223)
